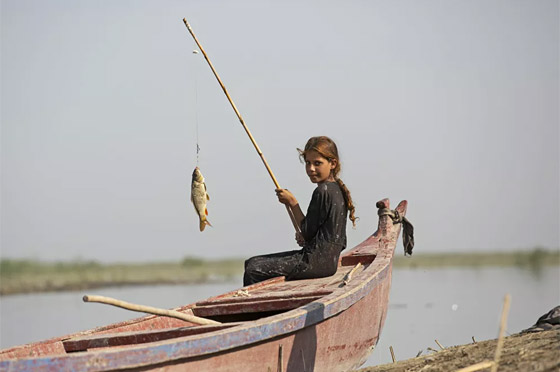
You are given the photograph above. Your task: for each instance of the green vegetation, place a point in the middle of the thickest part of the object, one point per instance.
(532, 260)
(24, 276)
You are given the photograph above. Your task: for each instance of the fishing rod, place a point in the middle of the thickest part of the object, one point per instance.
(288, 208)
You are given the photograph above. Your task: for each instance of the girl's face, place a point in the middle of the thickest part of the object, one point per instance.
(318, 168)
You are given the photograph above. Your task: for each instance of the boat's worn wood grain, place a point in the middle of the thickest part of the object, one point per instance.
(253, 306)
(138, 337)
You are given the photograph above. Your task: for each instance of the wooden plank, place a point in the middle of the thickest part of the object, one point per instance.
(134, 338)
(264, 284)
(253, 306)
(269, 295)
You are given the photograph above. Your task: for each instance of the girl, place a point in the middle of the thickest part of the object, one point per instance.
(323, 229)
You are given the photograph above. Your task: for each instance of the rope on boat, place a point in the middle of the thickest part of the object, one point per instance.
(408, 229)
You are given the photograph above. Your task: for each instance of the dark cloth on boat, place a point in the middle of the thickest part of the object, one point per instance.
(407, 228)
(548, 321)
(324, 231)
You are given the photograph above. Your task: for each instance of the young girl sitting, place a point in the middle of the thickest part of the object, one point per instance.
(323, 229)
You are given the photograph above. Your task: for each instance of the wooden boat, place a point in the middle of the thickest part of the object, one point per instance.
(327, 324)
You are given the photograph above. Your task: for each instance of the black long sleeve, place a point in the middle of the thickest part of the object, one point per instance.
(324, 231)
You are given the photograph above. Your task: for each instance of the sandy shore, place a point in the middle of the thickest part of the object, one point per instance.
(538, 351)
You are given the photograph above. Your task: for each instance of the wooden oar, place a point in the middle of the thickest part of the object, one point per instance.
(288, 208)
(149, 310)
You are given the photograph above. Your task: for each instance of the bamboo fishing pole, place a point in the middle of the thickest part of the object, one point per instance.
(288, 208)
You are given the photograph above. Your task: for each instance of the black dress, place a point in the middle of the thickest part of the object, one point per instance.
(324, 231)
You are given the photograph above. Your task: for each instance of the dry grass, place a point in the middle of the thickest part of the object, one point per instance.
(521, 352)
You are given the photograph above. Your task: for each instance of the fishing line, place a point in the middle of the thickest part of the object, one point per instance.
(288, 208)
(195, 52)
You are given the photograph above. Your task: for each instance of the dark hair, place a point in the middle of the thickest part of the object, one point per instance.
(327, 149)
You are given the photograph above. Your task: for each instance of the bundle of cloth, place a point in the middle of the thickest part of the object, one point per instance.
(548, 321)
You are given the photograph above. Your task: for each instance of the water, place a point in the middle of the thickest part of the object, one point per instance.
(450, 305)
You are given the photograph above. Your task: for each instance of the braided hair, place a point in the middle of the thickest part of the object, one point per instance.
(326, 147)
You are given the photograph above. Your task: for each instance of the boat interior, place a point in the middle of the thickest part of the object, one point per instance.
(258, 301)
(277, 295)
(261, 300)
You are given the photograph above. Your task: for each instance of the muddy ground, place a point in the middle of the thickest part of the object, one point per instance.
(521, 352)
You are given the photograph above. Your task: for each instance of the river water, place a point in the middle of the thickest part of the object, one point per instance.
(448, 304)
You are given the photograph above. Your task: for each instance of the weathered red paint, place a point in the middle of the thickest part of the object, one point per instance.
(318, 324)
(137, 337)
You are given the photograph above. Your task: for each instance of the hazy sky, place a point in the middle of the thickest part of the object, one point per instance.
(452, 105)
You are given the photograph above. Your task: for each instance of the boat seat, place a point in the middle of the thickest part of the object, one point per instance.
(274, 297)
(262, 295)
(253, 305)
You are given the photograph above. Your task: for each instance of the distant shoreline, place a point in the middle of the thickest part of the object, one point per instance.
(30, 276)
(523, 259)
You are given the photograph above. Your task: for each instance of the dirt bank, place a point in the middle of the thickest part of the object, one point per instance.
(521, 352)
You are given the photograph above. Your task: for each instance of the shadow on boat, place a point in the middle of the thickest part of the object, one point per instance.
(304, 347)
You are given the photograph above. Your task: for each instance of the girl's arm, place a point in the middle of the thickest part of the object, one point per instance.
(287, 198)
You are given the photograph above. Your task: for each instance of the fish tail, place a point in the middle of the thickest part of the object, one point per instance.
(203, 223)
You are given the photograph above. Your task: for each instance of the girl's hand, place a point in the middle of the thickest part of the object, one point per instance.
(286, 197)
(300, 240)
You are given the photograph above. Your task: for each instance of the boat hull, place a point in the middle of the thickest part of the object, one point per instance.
(334, 345)
(326, 324)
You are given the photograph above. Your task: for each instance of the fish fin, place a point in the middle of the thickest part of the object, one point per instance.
(207, 196)
(206, 211)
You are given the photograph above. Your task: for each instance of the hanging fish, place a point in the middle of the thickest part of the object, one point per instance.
(199, 196)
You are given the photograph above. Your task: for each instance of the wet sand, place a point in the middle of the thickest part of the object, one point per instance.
(538, 351)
